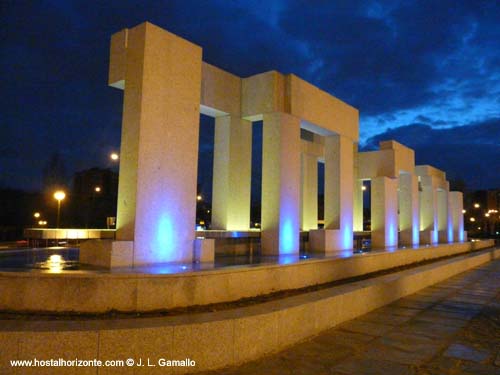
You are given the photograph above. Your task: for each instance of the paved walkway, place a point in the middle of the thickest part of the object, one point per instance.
(449, 328)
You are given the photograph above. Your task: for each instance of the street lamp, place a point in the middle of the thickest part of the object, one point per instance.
(114, 156)
(97, 189)
(59, 196)
(36, 215)
(199, 197)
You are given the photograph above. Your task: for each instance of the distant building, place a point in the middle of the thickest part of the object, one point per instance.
(93, 197)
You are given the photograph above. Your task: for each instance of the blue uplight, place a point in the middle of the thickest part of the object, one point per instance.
(347, 240)
(165, 239)
(288, 242)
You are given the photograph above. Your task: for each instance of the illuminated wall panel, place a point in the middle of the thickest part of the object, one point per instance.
(280, 184)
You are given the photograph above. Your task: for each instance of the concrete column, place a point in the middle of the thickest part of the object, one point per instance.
(384, 210)
(358, 205)
(457, 216)
(409, 216)
(232, 173)
(309, 192)
(159, 145)
(445, 229)
(358, 194)
(339, 181)
(280, 184)
(428, 211)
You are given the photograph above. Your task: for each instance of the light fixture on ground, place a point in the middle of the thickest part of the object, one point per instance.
(59, 196)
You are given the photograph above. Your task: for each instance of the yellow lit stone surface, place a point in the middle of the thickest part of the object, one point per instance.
(321, 109)
(232, 173)
(262, 93)
(129, 292)
(224, 338)
(161, 109)
(280, 184)
(55, 345)
(220, 90)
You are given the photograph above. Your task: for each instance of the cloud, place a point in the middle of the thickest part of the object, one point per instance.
(399, 62)
(470, 153)
(383, 58)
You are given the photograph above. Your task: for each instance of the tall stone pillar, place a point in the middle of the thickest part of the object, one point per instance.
(428, 211)
(409, 215)
(232, 173)
(358, 195)
(445, 228)
(358, 205)
(280, 184)
(384, 210)
(457, 216)
(309, 192)
(339, 183)
(159, 145)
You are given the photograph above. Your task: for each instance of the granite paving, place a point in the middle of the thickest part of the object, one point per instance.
(451, 328)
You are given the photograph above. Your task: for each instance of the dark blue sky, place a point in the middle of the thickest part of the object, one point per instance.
(426, 73)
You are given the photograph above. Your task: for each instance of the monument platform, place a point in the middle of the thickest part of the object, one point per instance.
(221, 338)
(170, 286)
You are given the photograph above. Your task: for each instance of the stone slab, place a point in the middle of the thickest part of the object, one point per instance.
(197, 287)
(210, 338)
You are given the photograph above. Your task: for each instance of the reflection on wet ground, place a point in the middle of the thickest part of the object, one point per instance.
(65, 260)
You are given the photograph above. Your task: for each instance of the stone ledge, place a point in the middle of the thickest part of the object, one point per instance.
(216, 340)
(102, 292)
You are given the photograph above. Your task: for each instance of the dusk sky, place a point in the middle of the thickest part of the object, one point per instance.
(425, 73)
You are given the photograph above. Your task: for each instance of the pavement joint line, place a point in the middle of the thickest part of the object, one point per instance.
(431, 365)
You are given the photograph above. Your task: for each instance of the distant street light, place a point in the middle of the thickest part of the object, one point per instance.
(477, 205)
(97, 189)
(472, 219)
(114, 156)
(36, 215)
(199, 197)
(59, 196)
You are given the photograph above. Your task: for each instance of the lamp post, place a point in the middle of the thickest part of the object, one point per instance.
(59, 196)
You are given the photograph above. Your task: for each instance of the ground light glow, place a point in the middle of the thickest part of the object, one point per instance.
(55, 263)
(166, 239)
(415, 233)
(450, 229)
(289, 242)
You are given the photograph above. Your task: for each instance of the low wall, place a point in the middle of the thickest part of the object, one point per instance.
(102, 292)
(218, 339)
